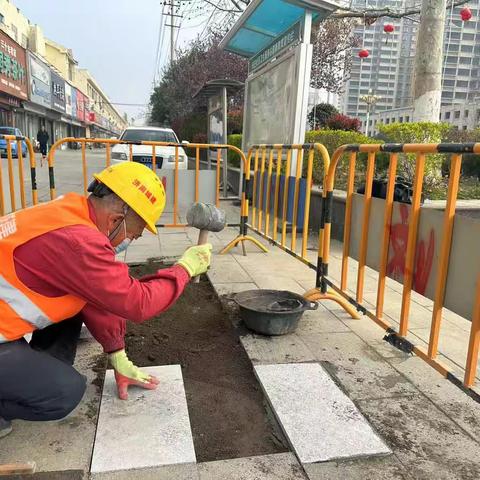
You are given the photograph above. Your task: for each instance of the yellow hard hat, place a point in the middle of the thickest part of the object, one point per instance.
(139, 187)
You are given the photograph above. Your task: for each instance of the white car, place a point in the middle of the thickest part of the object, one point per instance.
(165, 156)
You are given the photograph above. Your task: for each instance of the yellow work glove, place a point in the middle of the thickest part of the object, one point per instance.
(196, 260)
(126, 373)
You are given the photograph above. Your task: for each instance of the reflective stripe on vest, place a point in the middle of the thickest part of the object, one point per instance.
(22, 305)
(3, 339)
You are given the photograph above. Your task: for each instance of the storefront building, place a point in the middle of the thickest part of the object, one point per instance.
(13, 82)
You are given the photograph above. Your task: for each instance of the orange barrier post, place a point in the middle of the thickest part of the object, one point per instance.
(11, 179)
(277, 190)
(387, 220)
(411, 243)
(21, 178)
(348, 219)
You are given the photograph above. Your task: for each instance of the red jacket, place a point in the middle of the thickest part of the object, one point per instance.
(79, 260)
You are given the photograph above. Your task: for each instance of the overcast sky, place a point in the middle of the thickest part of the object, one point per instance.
(115, 39)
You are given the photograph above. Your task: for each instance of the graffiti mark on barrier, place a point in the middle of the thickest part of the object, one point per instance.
(423, 257)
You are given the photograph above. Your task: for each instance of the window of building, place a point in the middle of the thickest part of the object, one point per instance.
(457, 114)
(407, 118)
(455, 35)
(448, 83)
(450, 71)
(461, 95)
(465, 113)
(464, 72)
(451, 59)
(464, 127)
(447, 115)
(453, 47)
(468, 36)
(24, 41)
(466, 48)
(14, 32)
(462, 83)
(387, 121)
(465, 60)
(2, 18)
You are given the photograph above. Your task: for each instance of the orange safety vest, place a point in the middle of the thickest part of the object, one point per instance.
(22, 310)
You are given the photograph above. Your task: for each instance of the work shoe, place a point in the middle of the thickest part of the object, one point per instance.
(5, 427)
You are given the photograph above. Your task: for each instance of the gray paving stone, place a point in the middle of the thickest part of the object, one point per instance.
(281, 349)
(361, 371)
(376, 468)
(65, 444)
(319, 420)
(150, 429)
(186, 471)
(424, 439)
(230, 288)
(462, 409)
(281, 466)
(225, 269)
(320, 321)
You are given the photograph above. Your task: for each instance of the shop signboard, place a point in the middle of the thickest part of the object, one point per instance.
(68, 99)
(81, 99)
(74, 102)
(13, 68)
(39, 81)
(58, 93)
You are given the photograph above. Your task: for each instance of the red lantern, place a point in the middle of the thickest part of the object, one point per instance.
(466, 14)
(388, 28)
(363, 53)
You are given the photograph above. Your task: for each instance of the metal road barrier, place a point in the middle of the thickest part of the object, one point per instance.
(21, 177)
(280, 205)
(402, 242)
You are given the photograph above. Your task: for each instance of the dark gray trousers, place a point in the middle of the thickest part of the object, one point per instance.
(37, 380)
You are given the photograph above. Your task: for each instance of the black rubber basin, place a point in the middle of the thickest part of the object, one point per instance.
(272, 312)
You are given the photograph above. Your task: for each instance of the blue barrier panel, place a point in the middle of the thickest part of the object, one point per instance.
(290, 200)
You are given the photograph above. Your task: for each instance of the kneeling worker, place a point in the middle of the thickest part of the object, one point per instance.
(58, 270)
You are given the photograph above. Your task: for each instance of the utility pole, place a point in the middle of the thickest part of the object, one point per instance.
(173, 4)
(427, 82)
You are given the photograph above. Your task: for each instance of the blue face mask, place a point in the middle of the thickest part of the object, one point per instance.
(123, 245)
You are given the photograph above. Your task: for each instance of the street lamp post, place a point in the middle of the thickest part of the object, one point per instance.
(370, 100)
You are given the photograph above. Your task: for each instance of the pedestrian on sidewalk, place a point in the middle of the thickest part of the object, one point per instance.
(42, 139)
(58, 270)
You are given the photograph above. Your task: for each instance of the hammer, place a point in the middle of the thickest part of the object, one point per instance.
(207, 218)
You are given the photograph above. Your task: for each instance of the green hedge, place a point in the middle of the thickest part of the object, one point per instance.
(417, 132)
(332, 139)
(234, 139)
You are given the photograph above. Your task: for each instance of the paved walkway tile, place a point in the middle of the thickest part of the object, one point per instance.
(361, 370)
(187, 471)
(64, 444)
(281, 349)
(319, 420)
(444, 394)
(281, 466)
(374, 468)
(424, 439)
(150, 429)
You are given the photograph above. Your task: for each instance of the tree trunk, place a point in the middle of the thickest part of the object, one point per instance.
(427, 83)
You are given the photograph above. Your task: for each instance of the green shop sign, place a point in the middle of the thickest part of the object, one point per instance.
(286, 39)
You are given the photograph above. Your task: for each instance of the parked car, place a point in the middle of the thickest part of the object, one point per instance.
(164, 155)
(3, 142)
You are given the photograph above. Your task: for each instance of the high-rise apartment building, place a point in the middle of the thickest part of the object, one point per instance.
(388, 70)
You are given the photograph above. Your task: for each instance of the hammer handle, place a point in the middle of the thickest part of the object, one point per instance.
(202, 237)
(202, 240)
